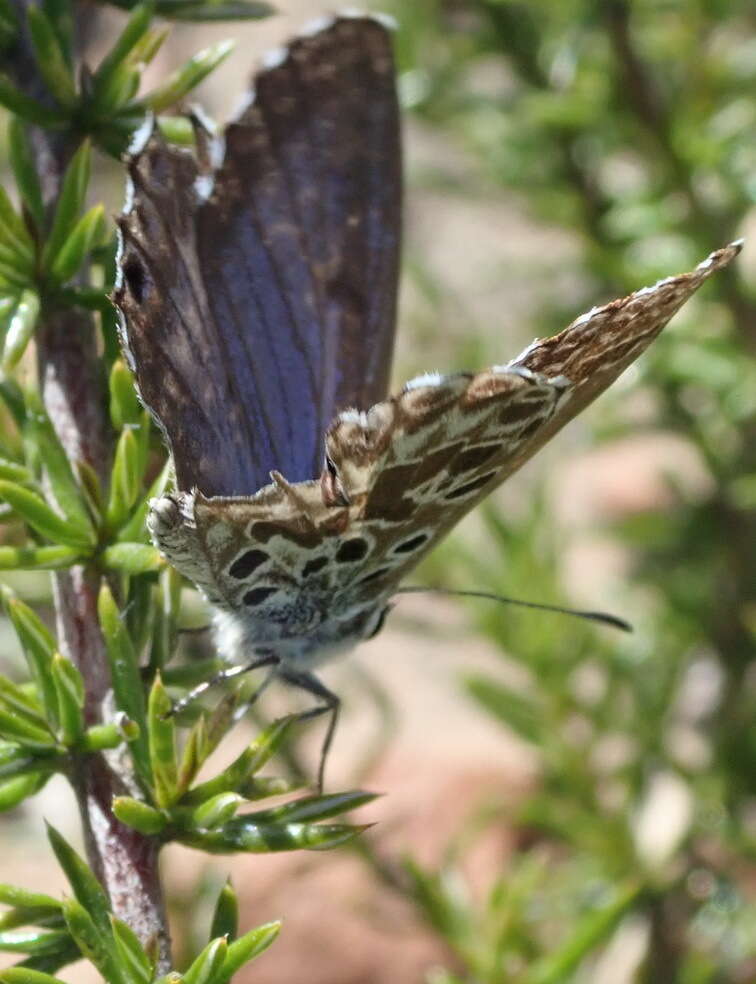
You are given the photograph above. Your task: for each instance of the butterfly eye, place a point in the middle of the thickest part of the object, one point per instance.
(334, 493)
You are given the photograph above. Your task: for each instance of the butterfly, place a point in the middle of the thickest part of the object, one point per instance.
(257, 291)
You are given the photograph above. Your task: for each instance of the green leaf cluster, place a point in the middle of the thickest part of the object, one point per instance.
(84, 926)
(104, 103)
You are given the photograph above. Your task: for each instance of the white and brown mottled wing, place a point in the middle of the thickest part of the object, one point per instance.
(402, 474)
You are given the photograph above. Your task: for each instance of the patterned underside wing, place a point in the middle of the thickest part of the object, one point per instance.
(258, 295)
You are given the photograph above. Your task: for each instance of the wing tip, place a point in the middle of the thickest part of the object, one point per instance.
(720, 257)
(319, 27)
(715, 261)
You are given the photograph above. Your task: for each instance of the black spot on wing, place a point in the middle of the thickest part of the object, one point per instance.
(135, 278)
(473, 458)
(257, 595)
(468, 487)
(314, 565)
(412, 544)
(351, 551)
(374, 575)
(248, 562)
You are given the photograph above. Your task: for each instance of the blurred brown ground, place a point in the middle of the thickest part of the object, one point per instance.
(341, 924)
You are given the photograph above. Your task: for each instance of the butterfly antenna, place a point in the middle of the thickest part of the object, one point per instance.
(602, 617)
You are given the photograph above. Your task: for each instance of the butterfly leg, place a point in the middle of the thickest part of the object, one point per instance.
(228, 673)
(330, 705)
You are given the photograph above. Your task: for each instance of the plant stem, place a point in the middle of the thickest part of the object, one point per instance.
(71, 382)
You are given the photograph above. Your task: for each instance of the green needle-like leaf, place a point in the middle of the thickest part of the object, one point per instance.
(40, 558)
(22, 898)
(70, 690)
(141, 816)
(39, 648)
(28, 761)
(94, 941)
(245, 765)
(61, 19)
(593, 929)
(126, 478)
(125, 408)
(13, 397)
(196, 749)
(247, 947)
(136, 528)
(29, 109)
(187, 77)
(149, 46)
(226, 916)
(133, 558)
(206, 967)
(14, 472)
(135, 30)
(70, 203)
(101, 736)
(125, 676)
(25, 171)
(33, 941)
(132, 956)
(240, 835)
(20, 330)
(84, 885)
(17, 701)
(51, 60)
(162, 742)
(43, 917)
(14, 728)
(177, 130)
(312, 808)
(14, 269)
(13, 233)
(16, 790)
(65, 489)
(43, 518)
(89, 231)
(214, 10)
(216, 811)
(25, 975)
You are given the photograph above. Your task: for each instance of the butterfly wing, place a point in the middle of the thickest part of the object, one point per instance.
(409, 469)
(259, 297)
(445, 443)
